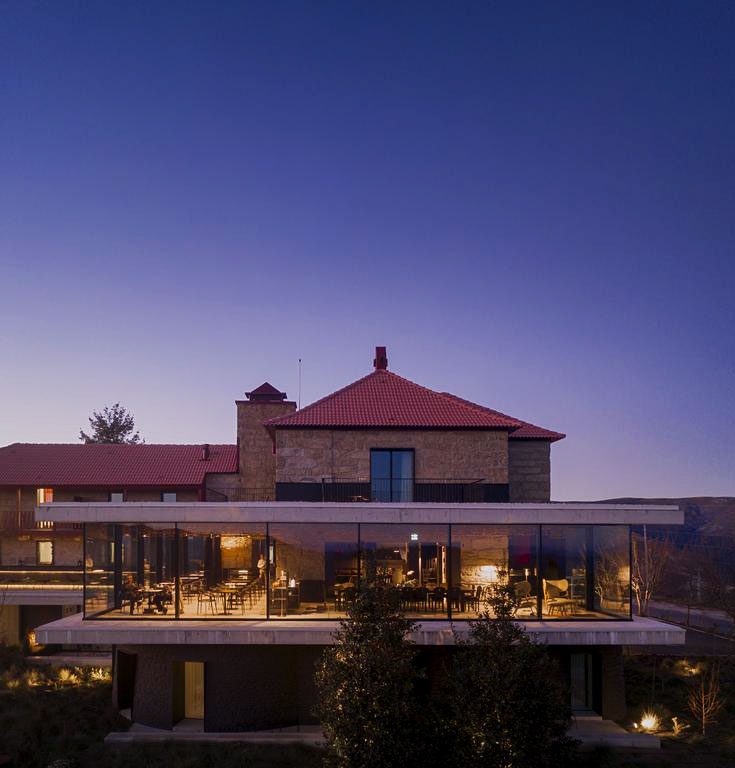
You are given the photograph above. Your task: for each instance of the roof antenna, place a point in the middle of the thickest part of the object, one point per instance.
(299, 383)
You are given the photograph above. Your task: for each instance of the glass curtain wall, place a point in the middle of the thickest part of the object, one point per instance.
(411, 560)
(223, 570)
(99, 569)
(487, 557)
(145, 572)
(315, 570)
(612, 569)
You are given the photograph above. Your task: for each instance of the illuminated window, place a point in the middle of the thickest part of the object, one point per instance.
(117, 497)
(44, 495)
(168, 497)
(45, 552)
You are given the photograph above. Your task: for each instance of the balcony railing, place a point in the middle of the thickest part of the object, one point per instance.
(396, 490)
(24, 520)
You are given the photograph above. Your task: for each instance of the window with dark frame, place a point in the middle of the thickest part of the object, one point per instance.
(391, 474)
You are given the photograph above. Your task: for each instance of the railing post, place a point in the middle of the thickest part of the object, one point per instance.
(267, 572)
(177, 580)
(450, 592)
(359, 557)
(539, 573)
(84, 570)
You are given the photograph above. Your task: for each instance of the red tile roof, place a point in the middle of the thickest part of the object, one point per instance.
(383, 399)
(527, 432)
(112, 466)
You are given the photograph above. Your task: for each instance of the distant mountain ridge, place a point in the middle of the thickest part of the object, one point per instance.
(709, 516)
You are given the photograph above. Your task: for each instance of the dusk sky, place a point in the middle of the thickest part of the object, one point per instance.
(531, 205)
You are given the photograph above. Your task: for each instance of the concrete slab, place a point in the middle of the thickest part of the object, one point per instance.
(309, 735)
(73, 630)
(56, 594)
(70, 659)
(593, 731)
(306, 512)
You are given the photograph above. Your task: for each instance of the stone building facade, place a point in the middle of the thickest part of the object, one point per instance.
(313, 454)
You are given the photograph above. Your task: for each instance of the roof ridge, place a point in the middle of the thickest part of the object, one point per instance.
(465, 413)
(308, 407)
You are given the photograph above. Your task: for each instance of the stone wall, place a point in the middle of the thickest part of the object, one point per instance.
(312, 454)
(482, 557)
(14, 549)
(19, 547)
(257, 457)
(529, 470)
(224, 482)
(182, 494)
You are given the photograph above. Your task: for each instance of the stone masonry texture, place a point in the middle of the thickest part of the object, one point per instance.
(257, 459)
(312, 454)
(529, 470)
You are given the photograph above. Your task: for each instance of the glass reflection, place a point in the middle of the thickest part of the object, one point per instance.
(223, 571)
(612, 569)
(145, 561)
(314, 569)
(487, 556)
(412, 560)
(98, 569)
(566, 587)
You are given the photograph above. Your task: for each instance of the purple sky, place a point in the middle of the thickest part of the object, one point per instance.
(532, 207)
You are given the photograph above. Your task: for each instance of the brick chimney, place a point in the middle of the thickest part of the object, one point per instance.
(257, 453)
(381, 359)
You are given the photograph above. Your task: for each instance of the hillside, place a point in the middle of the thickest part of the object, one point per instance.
(709, 516)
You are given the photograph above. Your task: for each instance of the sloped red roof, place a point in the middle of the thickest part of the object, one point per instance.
(383, 399)
(78, 464)
(527, 431)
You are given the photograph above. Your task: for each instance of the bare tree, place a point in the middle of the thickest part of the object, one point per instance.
(705, 700)
(718, 580)
(609, 585)
(651, 556)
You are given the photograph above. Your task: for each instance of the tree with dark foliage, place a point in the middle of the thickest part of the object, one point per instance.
(508, 705)
(112, 425)
(366, 686)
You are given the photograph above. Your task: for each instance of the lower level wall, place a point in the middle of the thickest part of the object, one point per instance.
(16, 621)
(612, 683)
(246, 687)
(9, 624)
(262, 687)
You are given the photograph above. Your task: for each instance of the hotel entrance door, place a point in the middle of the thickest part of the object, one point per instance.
(194, 690)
